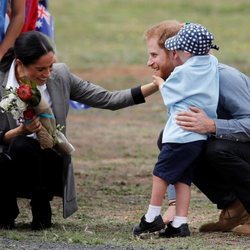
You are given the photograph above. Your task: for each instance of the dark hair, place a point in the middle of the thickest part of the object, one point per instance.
(28, 48)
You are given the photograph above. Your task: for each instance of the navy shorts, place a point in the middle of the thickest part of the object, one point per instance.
(176, 161)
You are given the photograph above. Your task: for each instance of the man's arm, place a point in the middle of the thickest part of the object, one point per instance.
(15, 26)
(196, 120)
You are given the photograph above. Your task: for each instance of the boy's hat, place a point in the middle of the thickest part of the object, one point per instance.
(193, 38)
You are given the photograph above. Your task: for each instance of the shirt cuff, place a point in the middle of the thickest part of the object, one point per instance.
(137, 95)
(223, 130)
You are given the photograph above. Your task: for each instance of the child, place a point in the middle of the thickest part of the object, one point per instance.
(193, 82)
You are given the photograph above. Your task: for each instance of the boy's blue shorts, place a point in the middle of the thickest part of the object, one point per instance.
(176, 161)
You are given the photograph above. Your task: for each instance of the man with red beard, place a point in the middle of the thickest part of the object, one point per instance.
(224, 174)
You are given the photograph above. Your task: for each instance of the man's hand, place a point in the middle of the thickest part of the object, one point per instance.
(195, 120)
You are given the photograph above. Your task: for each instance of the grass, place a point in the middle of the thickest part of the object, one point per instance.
(110, 32)
(101, 40)
(115, 153)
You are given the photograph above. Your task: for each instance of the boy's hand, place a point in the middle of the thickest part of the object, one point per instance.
(158, 81)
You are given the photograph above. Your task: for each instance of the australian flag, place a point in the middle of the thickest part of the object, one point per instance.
(45, 22)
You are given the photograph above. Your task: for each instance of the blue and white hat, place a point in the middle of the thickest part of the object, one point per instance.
(193, 38)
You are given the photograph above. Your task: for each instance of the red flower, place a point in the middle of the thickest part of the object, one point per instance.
(29, 113)
(24, 92)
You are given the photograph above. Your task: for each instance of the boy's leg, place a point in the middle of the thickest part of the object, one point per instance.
(152, 221)
(183, 194)
(179, 226)
(158, 191)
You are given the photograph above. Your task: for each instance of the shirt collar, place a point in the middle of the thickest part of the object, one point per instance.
(42, 88)
(12, 81)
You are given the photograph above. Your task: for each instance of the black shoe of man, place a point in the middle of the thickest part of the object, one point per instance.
(149, 227)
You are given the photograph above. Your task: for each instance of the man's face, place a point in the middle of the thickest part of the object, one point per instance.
(158, 59)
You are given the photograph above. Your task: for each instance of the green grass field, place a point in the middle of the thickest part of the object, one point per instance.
(110, 32)
(102, 41)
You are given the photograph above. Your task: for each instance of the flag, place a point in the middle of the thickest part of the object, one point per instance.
(31, 7)
(78, 105)
(45, 22)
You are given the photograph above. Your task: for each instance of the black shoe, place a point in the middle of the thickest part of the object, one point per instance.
(10, 224)
(38, 225)
(170, 231)
(149, 227)
(41, 212)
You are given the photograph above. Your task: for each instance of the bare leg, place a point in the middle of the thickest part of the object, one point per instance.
(179, 226)
(170, 212)
(183, 194)
(158, 191)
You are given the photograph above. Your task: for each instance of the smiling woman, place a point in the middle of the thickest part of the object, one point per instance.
(40, 70)
(26, 168)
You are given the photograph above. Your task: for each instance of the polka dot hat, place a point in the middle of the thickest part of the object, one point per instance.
(193, 38)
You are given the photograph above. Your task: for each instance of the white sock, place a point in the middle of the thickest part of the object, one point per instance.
(152, 212)
(178, 221)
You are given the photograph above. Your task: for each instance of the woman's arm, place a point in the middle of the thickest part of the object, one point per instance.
(149, 89)
(22, 129)
(95, 95)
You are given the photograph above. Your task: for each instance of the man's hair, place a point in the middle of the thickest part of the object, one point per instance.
(162, 31)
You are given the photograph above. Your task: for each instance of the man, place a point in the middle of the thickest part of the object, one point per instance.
(225, 178)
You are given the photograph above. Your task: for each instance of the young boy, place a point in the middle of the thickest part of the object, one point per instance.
(194, 82)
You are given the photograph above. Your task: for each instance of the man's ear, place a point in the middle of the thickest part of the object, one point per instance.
(175, 54)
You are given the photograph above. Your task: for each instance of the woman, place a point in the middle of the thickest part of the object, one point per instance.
(27, 170)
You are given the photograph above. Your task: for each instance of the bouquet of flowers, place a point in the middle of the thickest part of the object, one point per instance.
(24, 103)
